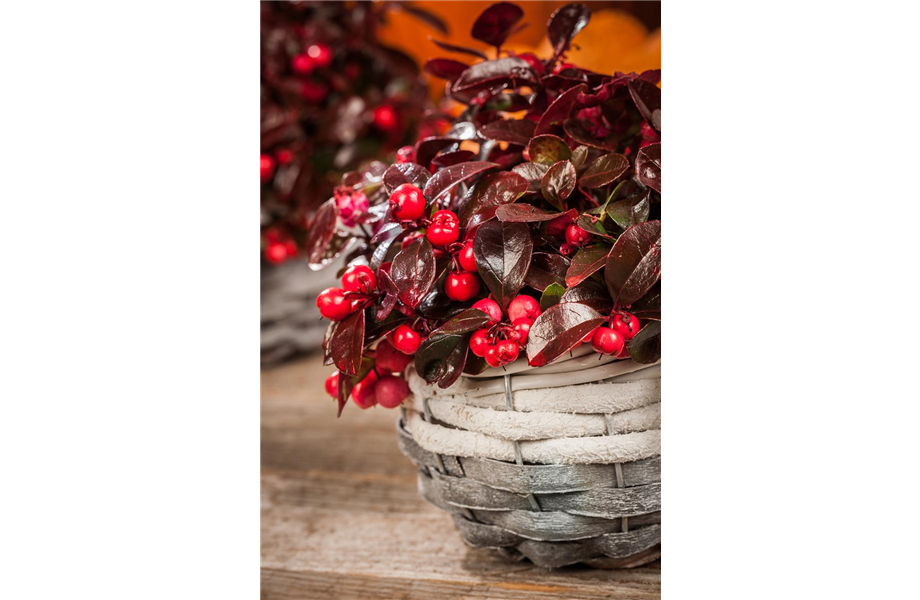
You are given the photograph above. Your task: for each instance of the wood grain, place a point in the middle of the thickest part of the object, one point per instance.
(342, 518)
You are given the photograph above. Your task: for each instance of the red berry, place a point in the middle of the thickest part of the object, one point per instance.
(479, 343)
(624, 353)
(385, 118)
(284, 156)
(491, 356)
(276, 252)
(466, 258)
(313, 92)
(407, 202)
(607, 341)
(405, 339)
(522, 329)
(461, 286)
(333, 304)
(391, 390)
(444, 228)
(363, 394)
(268, 167)
(576, 236)
(302, 64)
(359, 278)
(491, 308)
(523, 306)
(332, 385)
(388, 358)
(557, 226)
(626, 324)
(507, 351)
(320, 54)
(405, 154)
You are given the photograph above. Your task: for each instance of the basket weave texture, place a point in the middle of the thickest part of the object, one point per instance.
(559, 465)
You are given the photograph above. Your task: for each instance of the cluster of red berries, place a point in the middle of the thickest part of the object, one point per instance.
(381, 385)
(611, 338)
(279, 246)
(358, 283)
(500, 343)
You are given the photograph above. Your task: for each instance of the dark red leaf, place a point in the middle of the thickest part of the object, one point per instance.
(448, 159)
(445, 68)
(491, 72)
(559, 110)
(413, 271)
(509, 130)
(585, 263)
(427, 148)
(489, 193)
(548, 150)
(546, 269)
(347, 343)
(649, 306)
(503, 252)
(426, 17)
(558, 330)
(576, 130)
(558, 183)
(645, 348)
(634, 263)
(450, 177)
(564, 24)
(382, 243)
(533, 173)
(647, 97)
(320, 232)
(579, 156)
(347, 383)
(496, 23)
(459, 49)
(592, 224)
(603, 170)
(648, 166)
(590, 293)
(390, 295)
(441, 358)
(467, 321)
(522, 213)
(399, 174)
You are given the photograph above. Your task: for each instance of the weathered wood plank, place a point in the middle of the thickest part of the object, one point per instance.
(342, 518)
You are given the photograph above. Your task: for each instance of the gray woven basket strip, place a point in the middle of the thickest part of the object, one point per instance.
(534, 478)
(609, 503)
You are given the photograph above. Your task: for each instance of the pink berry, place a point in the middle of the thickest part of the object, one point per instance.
(391, 391)
(523, 306)
(491, 308)
(390, 359)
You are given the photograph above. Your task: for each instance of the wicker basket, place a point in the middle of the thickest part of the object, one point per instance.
(559, 465)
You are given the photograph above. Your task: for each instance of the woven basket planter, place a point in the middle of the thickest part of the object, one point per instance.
(559, 465)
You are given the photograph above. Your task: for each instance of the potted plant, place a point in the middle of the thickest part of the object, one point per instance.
(503, 288)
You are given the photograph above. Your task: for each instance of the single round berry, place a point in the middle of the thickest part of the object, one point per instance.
(461, 286)
(390, 391)
(313, 92)
(507, 351)
(444, 228)
(405, 339)
(284, 156)
(333, 304)
(363, 394)
(268, 167)
(466, 258)
(523, 306)
(626, 324)
(388, 358)
(385, 118)
(491, 308)
(479, 343)
(359, 278)
(576, 236)
(276, 252)
(320, 54)
(522, 329)
(405, 154)
(407, 202)
(302, 64)
(332, 385)
(607, 341)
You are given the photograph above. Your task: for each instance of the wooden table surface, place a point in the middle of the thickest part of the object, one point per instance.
(341, 518)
